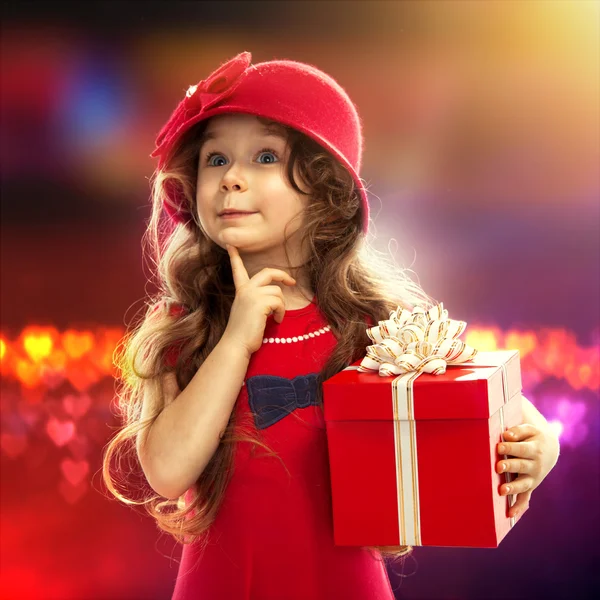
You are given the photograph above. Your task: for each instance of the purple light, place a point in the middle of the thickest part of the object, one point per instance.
(569, 420)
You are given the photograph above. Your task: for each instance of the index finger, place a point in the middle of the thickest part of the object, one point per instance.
(520, 432)
(240, 275)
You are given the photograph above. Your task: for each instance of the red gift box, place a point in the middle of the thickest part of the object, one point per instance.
(413, 456)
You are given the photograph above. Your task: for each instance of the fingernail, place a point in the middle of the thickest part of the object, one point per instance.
(507, 489)
(501, 449)
(503, 467)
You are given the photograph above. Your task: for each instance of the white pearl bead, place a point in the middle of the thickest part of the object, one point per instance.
(299, 338)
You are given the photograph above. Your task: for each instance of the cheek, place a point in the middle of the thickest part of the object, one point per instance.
(202, 198)
(277, 194)
(202, 186)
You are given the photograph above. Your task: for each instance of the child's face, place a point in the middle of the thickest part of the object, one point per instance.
(246, 172)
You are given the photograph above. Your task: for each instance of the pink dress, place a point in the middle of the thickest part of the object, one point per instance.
(273, 536)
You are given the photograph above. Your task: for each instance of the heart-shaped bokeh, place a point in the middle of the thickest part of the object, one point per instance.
(38, 343)
(75, 471)
(107, 340)
(29, 413)
(53, 407)
(52, 378)
(82, 375)
(72, 493)
(79, 446)
(28, 373)
(77, 343)
(77, 405)
(13, 445)
(60, 432)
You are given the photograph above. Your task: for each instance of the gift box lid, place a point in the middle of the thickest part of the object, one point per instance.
(466, 391)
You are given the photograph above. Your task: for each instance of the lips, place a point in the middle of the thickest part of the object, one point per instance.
(238, 215)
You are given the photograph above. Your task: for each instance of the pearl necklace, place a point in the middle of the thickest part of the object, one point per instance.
(301, 338)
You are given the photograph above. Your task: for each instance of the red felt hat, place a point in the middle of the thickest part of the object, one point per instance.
(289, 92)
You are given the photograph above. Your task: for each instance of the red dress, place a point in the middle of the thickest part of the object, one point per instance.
(273, 535)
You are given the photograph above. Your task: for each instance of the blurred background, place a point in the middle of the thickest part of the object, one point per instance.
(482, 155)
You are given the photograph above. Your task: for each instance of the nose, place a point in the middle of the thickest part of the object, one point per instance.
(229, 187)
(233, 181)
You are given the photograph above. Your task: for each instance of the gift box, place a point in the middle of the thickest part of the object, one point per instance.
(412, 433)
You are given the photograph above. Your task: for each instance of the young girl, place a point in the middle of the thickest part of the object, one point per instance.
(267, 289)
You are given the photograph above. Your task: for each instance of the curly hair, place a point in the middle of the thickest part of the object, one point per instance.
(352, 281)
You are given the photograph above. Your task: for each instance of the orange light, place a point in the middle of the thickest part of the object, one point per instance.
(41, 356)
(38, 346)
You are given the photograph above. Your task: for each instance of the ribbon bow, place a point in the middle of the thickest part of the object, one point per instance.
(420, 341)
(202, 96)
(271, 398)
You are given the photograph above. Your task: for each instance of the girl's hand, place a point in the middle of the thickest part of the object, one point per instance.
(532, 452)
(254, 302)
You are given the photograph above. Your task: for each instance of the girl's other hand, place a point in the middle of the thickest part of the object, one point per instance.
(532, 453)
(254, 301)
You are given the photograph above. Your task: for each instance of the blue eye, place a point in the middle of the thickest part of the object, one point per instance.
(209, 156)
(269, 151)
(263, 151)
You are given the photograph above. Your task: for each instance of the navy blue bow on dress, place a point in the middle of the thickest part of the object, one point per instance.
(271, 398)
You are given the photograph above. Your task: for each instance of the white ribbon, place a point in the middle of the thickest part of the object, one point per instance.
(408, 344)
(419, 341)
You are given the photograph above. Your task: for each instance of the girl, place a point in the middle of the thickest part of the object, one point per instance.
(267, 288)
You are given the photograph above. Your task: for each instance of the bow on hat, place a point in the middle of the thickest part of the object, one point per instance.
(271, 398)
(202, 96)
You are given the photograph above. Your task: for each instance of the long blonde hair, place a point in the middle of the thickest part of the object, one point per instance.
(351, 281)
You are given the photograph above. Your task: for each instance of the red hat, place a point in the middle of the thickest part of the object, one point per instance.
(289, 92)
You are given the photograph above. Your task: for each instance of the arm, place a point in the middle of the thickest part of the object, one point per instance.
(177, 447)
(533, 416)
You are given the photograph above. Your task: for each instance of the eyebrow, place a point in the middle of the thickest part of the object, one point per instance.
(266, 130)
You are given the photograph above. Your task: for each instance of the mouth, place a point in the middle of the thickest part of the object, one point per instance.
(235, 215)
